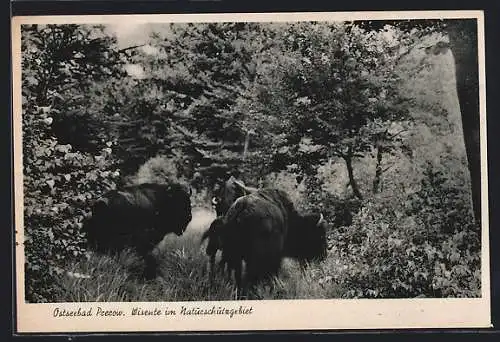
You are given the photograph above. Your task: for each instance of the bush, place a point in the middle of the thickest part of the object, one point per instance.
(309, 195)
(160, 169)
(59, 184)
(427, 247)
(287, 181)
(67, 154)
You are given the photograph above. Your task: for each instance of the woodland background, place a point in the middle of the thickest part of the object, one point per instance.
(361, 123)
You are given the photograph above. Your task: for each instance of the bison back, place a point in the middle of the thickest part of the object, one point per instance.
(114, 220)
(255, 233)
(138, 215)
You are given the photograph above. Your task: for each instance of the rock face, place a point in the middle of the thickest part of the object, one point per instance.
(437, 134)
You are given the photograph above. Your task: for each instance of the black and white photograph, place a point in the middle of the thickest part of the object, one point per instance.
(230, 166)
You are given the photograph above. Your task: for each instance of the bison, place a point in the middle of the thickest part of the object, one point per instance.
(261, 229)
(231, 190)
(139, 216)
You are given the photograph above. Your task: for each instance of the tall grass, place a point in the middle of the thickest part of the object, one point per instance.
(184, 275)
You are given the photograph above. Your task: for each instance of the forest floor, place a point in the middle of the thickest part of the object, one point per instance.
(184, 275)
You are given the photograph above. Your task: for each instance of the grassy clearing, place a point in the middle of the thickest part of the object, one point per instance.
(184, 275)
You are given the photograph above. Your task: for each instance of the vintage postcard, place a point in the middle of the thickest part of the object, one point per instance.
(264, 171)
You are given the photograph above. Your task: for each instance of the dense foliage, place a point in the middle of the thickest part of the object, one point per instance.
(60, 179)
(419, 247)
(354, 122)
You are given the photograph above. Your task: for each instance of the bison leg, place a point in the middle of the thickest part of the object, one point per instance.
(240, 280)
(223, 263)
(221, 266)
(150, 261)
(249, 280)
(237, 277)
(211, 267)
(151, 267)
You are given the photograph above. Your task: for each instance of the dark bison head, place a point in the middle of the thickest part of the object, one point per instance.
(175, 212)
(228, 193)
(307, 238)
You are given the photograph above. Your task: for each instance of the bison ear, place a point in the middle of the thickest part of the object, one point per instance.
(320, 220)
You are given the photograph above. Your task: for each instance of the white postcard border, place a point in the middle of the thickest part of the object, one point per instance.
(265, 315)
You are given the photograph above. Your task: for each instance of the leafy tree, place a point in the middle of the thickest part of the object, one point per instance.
(59, 180)
(71, 59)
(186, 98)
(463, 42)
(337, 95)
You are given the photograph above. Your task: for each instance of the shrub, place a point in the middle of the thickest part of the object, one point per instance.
(287, 182)
(428, 246)
(67, 153)
(160, 169)
(59, 184)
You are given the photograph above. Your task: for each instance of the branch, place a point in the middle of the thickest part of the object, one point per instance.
(398, 133)
(387, 168)
(130, 48)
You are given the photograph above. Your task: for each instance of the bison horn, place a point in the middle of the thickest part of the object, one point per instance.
(320, 219)
(214, 200)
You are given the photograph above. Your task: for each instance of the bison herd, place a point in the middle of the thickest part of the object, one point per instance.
(254, 228)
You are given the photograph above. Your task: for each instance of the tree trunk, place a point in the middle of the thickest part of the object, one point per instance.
(463, 45)
(247, 140)
(352, 182)
(378, 171)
